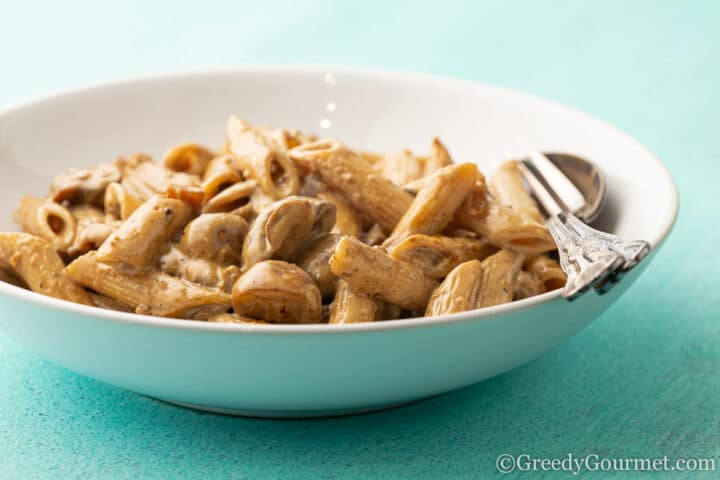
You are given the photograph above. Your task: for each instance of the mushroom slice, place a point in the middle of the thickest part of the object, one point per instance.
(86, 185)
(215, 236)
(314, 260)
(277, 292)
(285, 226)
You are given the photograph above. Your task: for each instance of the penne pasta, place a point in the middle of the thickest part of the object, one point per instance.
(89, 237)
(439, 157)
(48, 220)
(118, 203)
(283, 138)
(547, 270)
(433, 208)
(103, 301)
(459, 291)
(152, 293)
(507, 186)
(374, 236)
(188, 158)
(387, 311)
(236, 198)
(437, 255)
(8, 276)
(372, 272)
(341, 169)
(221, 173)
(276, 222)
(527, 285)
(138, 240)
(503, 227)
(499, 273)
(36, 262)
(270, 167)
(143, 178)
(349, 307)
(87, 214)
(510, 219)
(403, 167)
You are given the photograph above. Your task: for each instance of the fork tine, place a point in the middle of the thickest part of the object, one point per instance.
(558, 182)
(541, 193)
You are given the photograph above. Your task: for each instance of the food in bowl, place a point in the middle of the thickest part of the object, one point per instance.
(282, 227)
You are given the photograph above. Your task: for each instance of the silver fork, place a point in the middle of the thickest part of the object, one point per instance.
(589, 257)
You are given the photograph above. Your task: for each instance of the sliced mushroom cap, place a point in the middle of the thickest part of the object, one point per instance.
(86, 185)
(285, 226)
(314, 260)
(215, 236)
(89, 237)
(277, 292)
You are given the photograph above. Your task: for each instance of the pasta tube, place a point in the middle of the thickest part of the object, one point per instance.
(499, 273)
(375, 197)
(143, 178)
(188, 157)
(119, 204)
(36, 262)
(236, 198)
(153, 293)
(103, 301)
(220, 174)
(437, 255)
(511, 218)
(349, 307)
(436, 203)
(527, 285)
(138, 240)
(270, 167)
(458, 292)
(506, 185)
(48, 220)
(504, 227)
(403, 167)
(439, 157)
(370, 271)
(547, 270)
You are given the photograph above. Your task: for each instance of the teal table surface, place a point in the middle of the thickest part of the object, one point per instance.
(642, 381)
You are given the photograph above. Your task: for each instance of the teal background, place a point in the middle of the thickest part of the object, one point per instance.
(641, 381)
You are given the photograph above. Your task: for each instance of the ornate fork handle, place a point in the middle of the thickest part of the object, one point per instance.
(633, 251)
(586, 261)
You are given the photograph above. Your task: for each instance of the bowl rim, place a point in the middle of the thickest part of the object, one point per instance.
(283, 329)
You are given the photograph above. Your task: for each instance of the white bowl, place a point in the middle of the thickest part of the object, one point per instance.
(312, 370)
